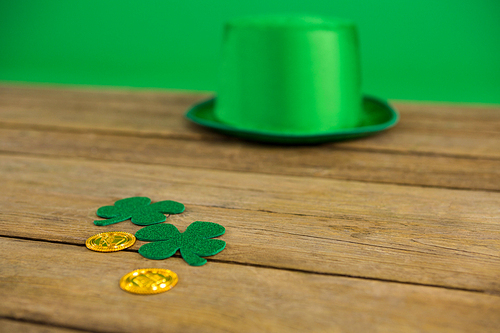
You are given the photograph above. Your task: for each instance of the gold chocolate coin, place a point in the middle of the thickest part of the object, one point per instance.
(149, 281)
(110, 241)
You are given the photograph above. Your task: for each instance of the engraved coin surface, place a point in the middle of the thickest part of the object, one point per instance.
(148, 281)
(110, 241)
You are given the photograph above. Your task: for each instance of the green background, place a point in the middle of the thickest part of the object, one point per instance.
(415, 50)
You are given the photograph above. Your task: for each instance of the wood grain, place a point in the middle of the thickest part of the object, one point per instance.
(10, 326)
(398, 232)
(315, 161)
(472, 132)
(221, 297)
(419, 235)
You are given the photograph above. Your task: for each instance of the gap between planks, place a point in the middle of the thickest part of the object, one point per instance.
(221, 297)
(232, 262)
(97, 159)
(224, 139)
(376, 167)
(9, 324)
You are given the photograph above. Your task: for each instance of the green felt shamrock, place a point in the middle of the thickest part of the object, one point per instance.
(139, 210)
(194, 243)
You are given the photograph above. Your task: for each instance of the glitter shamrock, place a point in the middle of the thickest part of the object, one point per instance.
(139, 210)
(194, 243)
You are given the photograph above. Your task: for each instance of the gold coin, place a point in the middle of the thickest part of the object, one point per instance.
(110, 241)
(149, 281)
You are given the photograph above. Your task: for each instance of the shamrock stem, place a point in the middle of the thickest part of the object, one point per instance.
(112, 220)
(192, 258)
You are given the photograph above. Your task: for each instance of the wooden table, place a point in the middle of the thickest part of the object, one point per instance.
(395, 232)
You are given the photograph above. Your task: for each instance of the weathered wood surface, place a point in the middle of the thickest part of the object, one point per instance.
(395, 232)
(446, 130)
(316, 161)
(222, 297)
(58, 122)
(410, 234)
(16, 326)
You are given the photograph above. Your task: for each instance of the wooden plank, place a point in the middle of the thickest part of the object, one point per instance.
(424, 129)
(221, 297)
(121, 96)
(430, 115)
(104, 117)
(451, 116)
(8, 325)
(371, 166)
(418, 235)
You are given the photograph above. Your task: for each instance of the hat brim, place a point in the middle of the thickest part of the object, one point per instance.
(377, 116)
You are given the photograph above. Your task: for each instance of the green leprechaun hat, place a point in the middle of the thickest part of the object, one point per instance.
(292, 80)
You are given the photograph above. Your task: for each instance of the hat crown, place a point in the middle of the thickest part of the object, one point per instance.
(290, 74)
